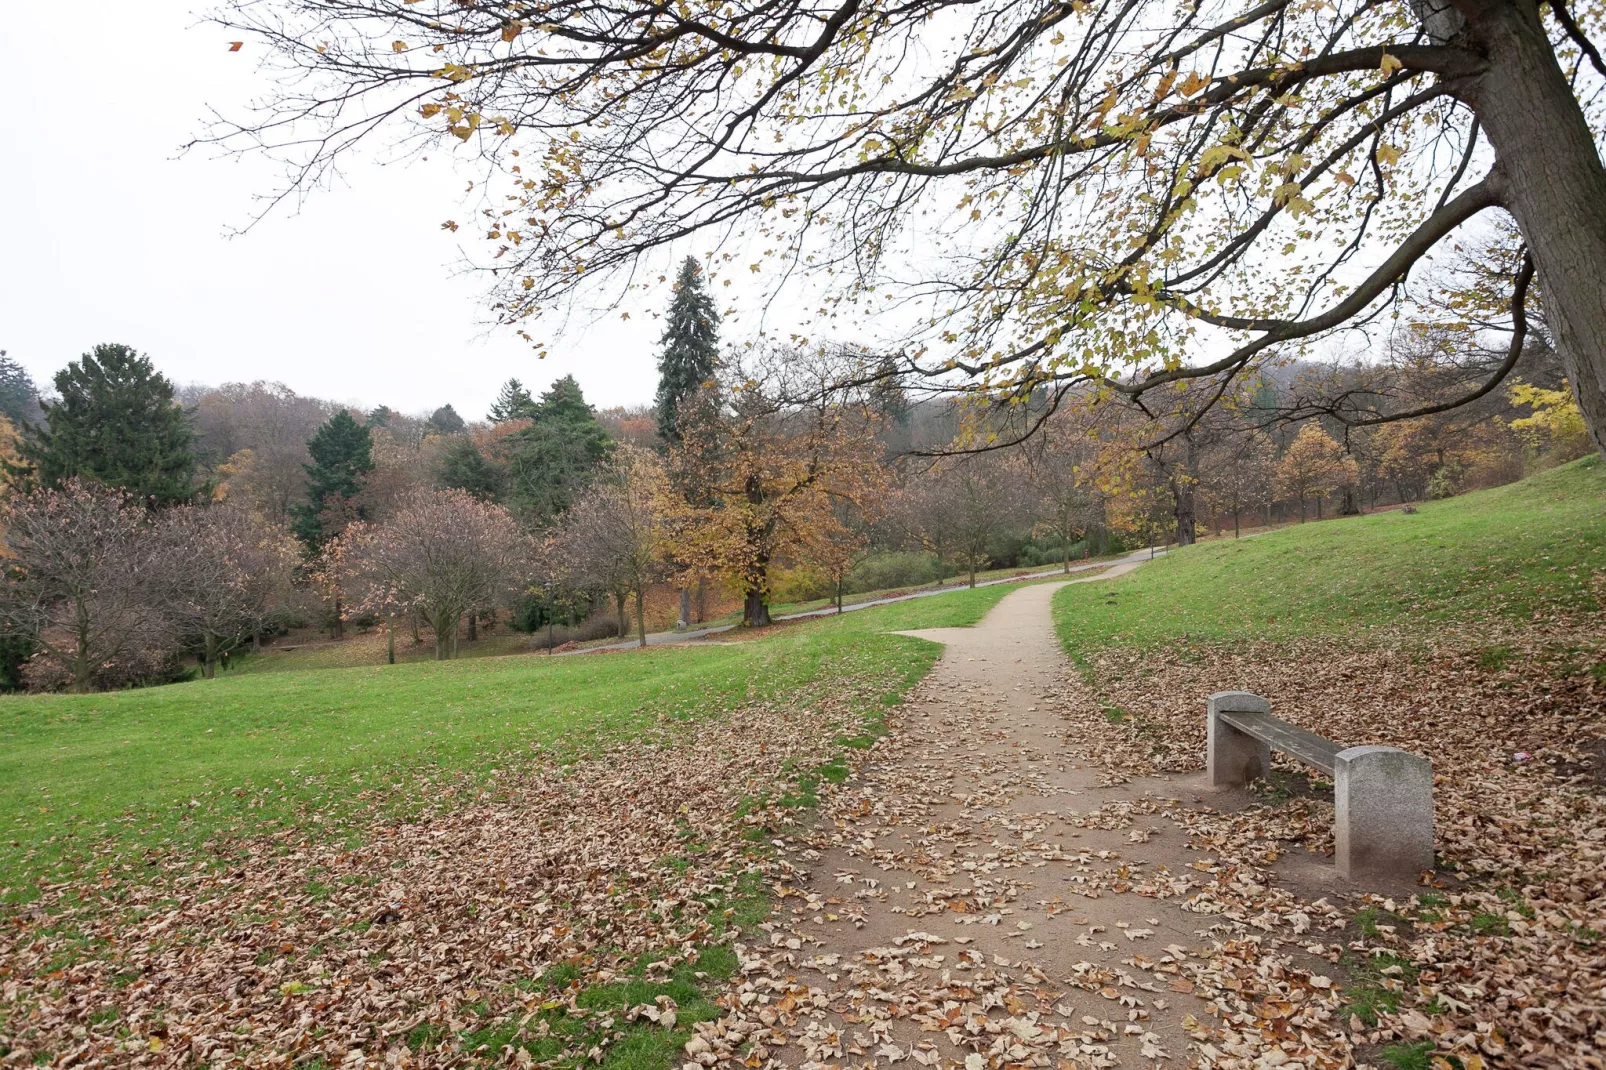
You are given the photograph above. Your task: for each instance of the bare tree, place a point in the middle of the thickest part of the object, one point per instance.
(254, 436)
(962, 505)
(614, 535)
(83, 578)
(225, 570)
(442, 552)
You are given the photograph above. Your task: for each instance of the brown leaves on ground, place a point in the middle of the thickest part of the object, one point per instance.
(1500, 959)
(295, 949)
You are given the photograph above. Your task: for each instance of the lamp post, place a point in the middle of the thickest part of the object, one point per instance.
(548, 585)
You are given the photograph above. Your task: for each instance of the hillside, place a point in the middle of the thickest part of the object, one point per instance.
(1538, 545)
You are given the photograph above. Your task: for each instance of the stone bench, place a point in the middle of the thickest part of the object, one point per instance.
(1383, 795)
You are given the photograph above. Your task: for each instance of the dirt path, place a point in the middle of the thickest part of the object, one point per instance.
(1119, 566)
(976, 895)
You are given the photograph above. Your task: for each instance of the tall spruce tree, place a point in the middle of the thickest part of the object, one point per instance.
(557, 456)
(690, 348)
(512, 403)
(115, 422)
(342, 454)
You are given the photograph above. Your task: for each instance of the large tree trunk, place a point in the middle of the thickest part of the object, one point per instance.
(473, 625)
(641, 611)
(1187, 517)
(1555, 186)
(209, 661)
(755, 610)
(619, 599)
(685, 606)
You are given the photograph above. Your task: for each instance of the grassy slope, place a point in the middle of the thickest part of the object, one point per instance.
(253, 751)
(1509, 551)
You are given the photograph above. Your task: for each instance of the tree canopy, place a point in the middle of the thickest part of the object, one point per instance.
(689, 348)
(342, 454)
(115, 422)
(1128, 197)
(19, 395)
(446, 421)
(513, 402)
(554, 458)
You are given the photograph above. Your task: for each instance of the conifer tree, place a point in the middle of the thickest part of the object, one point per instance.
(342, 454)
(445, 421)
(690, 348)
(464, 467)
(557, 456)
(116, 422)
(512, 403)
(19, 396)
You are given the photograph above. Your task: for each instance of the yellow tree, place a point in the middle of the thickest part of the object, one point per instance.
(771, 468)
(1314, 466)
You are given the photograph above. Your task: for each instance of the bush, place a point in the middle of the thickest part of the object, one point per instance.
(893, 568)
(133, 668)
(1042, 553)
(802, 584)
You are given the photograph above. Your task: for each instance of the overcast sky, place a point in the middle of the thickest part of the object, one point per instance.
(113, 237)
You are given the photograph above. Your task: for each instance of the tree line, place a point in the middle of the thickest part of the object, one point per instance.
(151, 532)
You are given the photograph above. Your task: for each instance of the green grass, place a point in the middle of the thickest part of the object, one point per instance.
(179, 765)
(1504, 552)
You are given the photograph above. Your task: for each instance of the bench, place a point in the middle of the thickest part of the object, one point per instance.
(1383, 795)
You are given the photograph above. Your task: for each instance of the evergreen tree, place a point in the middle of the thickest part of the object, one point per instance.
(513, 403)
(554, 458)
(464, 467)
(116, 423)
(690, 348)
(342, 454)
(19, 396)
(445, 421)
(381, 416)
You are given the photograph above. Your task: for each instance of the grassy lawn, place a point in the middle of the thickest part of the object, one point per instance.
(1537, 545)
(182, 764)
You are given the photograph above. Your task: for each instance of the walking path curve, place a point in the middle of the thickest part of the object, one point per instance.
(1117, 567)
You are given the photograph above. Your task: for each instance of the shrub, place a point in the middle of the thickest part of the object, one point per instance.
(894, 568)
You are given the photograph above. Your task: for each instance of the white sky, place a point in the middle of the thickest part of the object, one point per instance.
(112, 237)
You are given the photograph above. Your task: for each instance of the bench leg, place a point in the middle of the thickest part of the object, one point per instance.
(1234, 758)
(1384, 826)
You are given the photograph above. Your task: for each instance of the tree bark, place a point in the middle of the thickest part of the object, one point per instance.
(339, 630)
(1554, 186)
(473, 625)
(209, 661)
(755, 610)
(619, 598)
(685, 606)
(641, 611)
(390, 640)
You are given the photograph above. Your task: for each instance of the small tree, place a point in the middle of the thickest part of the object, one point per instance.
(225, 569)
(1313, 467)
(116, 423)
(443, 553)
(342, 455)
(83, 578)
(614, 534)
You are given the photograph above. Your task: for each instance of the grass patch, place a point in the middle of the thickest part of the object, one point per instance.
(177, 766)
(1505, 552)
(1416, 1056)
(1377, 985)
